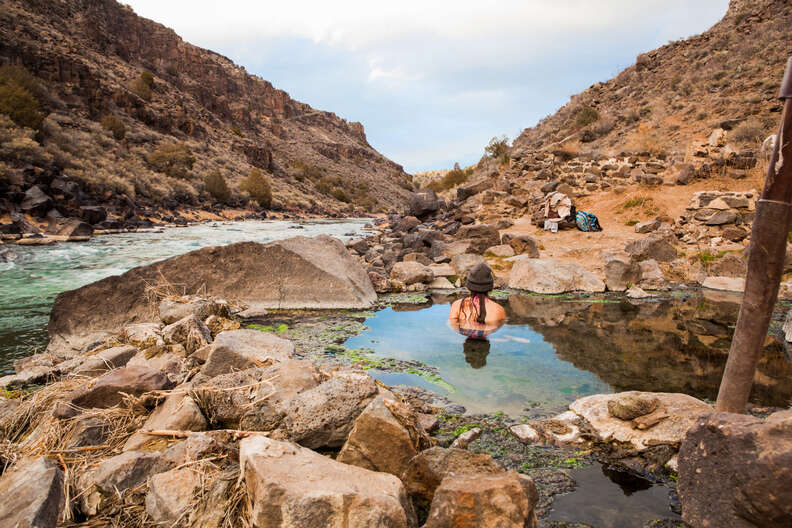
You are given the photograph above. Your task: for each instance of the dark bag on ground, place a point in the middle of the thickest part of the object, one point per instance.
(587, 221)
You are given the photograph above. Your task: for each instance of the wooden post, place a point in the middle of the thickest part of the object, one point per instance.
(767, 251)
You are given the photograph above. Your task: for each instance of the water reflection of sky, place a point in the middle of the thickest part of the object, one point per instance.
(520, 370)
(29, 284)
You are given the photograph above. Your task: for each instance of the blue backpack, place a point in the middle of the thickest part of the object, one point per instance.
(587, 221)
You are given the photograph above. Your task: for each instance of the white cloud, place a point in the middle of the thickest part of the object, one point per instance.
(429, 75)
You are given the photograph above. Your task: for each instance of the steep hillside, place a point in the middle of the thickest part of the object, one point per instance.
(137, 118)
(727, 77)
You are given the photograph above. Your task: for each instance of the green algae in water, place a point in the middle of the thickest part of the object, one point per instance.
(364, 358)
(280, 329)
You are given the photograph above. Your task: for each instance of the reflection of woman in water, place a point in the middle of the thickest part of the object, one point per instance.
(476, 351)
(477, 316)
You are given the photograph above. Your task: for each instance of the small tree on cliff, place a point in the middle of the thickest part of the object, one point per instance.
(217, 187)
(257, 185)
(497, 147)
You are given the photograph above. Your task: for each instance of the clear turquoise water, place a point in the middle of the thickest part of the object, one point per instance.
(554, 350)
(28, 285)
(519, 371)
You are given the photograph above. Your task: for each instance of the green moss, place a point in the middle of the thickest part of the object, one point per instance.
(462, 429)
(706, 257)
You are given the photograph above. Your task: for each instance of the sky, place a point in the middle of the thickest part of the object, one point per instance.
(433, 80)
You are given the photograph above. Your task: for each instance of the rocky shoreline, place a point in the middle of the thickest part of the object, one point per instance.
(239, 407)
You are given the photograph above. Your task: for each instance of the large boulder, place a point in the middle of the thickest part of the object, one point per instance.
(241, 349)
(505, 500)
(481, 236)
(734, 470)
(423, 203)
(295, 273)
(36, 202)
(32, 492)
(255, 399)
(22, 225)
(290, 486)
(552, 276)
(384, 438)
(324, 416)
(467, 190)
(93, 214)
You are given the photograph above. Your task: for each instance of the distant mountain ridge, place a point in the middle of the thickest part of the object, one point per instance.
(91, 59)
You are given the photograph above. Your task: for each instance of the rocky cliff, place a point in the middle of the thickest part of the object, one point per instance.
(136, 117)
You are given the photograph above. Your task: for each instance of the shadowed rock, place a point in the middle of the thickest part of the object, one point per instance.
(734, 470)
(32, 494)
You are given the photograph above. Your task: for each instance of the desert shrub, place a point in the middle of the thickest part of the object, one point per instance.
(749, 131)
(565, 152)
(340, 195)
(236, 131)
(454, 177)
(217, 187)
(632, 116)
(174, 159)
(18, 97)
(172, 70)
(585, 116)
(307, 172)
(115, 126)
(257, 185)
(497, 147)
(142, 85)
(183, 191)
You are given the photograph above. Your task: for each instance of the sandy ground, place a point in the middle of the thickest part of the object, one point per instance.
(667, 202)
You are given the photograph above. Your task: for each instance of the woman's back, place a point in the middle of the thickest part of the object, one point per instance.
(468, 311)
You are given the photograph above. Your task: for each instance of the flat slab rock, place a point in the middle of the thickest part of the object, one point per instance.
(245, 348)
(293, 486)
(682, 412)
(298, 272)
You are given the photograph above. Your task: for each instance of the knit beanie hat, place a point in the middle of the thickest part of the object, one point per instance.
(479, 279)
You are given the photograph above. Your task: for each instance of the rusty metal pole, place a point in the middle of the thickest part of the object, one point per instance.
(767, 251)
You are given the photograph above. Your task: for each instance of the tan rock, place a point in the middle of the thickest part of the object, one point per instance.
(171, 493)
(385, 437)
(291, 486)
(505, 500)
(241, 349)
(683, 411)
(428, 468)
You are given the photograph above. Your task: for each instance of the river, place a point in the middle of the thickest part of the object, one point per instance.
(29, 284)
